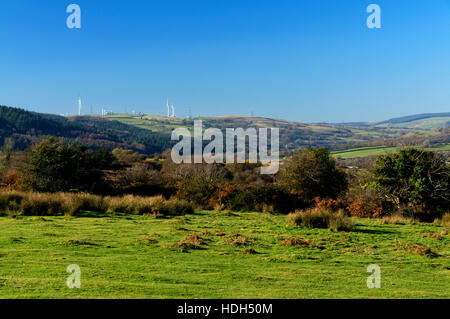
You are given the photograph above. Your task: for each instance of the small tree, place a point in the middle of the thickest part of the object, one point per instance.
(56, 166)
(414, 176)
(313, 173)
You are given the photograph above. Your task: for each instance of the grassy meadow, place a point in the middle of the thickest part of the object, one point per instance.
(378, 150)
(219, 255)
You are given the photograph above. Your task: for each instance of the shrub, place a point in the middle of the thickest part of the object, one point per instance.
(320, 218)
(56, 166)
(268, 198)
(415, 176)
(330, 204)
(363, 208)
(313, 173)
(10, 201)
(12, 180)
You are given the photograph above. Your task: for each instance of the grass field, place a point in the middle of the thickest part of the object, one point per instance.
(138, 257)
(377, 150)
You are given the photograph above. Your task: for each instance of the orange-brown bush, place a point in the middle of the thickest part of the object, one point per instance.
(363, 208)
(330, 204)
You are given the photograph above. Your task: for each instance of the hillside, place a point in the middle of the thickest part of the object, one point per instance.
(420, 121)
(25, 128)
(150, 134)
(293, 135)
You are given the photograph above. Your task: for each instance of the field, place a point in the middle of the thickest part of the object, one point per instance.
(377, 150)
(138, 257)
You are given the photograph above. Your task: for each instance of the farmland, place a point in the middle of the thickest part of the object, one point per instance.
(378, 150)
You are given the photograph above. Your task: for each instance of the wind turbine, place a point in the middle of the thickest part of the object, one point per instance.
(80, 106)
(168, 108)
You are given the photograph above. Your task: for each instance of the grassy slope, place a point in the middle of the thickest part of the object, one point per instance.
(166, 125)
(422, 124)
(118, 261)
(372, 151)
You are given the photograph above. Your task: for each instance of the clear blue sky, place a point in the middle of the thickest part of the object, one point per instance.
(308, 61)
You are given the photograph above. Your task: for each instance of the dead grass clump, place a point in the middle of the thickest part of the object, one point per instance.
(438, 236)
(190, 242)
(422, 250)
(250, 251)
(238, 240)
(293, 241)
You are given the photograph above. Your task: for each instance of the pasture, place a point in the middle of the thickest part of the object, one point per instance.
(218, 255)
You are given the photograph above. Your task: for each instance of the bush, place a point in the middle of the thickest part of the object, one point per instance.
(415, 177)
(267, 198)
(10, 201)
(56, 166)
(321, 218)
(313, 173)
(330, 204)
(364, 208)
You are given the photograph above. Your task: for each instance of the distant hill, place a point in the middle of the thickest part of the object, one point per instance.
(293, 135)
(26, 127)
(419, 121)
(151, 134)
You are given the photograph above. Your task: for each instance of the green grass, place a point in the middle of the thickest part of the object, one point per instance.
(377, 150)
(136, 257)
(428, 123)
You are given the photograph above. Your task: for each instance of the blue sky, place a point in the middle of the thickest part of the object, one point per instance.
(308, 61)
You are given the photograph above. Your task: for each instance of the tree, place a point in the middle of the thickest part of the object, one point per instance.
(56, 166)
(414, 176)
(313, 173)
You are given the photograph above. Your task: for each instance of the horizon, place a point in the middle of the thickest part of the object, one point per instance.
(304, 62)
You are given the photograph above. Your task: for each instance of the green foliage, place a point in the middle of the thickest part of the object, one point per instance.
(260, 197)
(414, 176)
(27, 127)
(313, 173)
(56, 166)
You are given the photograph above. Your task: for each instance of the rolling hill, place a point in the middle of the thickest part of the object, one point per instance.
(151, 134)
(25, 128)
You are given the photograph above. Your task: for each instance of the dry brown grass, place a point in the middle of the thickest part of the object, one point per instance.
(397, 219)
(72, 204)
(321, 218)
(446, 220)
(293, 241)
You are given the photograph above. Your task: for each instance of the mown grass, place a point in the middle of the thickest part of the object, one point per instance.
(217, 255)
